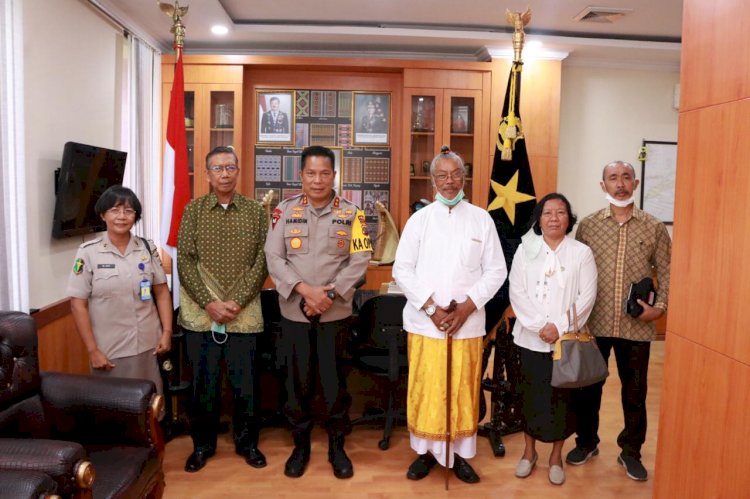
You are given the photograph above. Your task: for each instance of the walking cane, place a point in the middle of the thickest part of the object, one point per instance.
(449, 368)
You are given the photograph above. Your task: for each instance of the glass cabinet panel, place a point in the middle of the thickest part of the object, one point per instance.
(222, 118)
(190, 133)
(422, 148)
(462, 128)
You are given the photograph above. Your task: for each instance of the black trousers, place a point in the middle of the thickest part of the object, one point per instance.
(205, 356)
(310, 356)
(632, 367)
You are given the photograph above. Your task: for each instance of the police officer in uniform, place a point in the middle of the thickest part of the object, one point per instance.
(274, 120)
(119, 295)
(317, 251)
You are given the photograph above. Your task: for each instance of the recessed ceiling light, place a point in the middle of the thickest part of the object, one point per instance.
(534, 43)
(219, 29)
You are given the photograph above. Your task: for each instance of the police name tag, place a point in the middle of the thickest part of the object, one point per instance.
(145, 290)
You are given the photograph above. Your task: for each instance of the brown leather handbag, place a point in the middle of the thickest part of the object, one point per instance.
(576, 361)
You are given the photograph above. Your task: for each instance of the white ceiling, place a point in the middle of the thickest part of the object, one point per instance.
(647, 36)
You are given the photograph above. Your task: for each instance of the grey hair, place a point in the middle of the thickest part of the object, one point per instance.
(445, 154)
(618, 162)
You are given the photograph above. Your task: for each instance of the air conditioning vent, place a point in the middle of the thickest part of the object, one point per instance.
(592, 14)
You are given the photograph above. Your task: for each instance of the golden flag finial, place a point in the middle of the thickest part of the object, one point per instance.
(176, 13)
(518, 20)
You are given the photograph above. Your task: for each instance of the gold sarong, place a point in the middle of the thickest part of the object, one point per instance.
(425, 406)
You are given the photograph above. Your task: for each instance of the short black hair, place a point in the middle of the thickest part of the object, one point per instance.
(115, 196)
(572, 219)
(274, 98)
(221, 150)
(317, 151)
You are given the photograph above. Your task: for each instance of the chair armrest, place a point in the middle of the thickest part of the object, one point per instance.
(23, 484)
(94, 410)
(65, 462)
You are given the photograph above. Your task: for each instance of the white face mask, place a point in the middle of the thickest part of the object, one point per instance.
(620, 203)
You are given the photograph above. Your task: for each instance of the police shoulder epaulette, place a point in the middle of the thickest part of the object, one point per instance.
(89, 243)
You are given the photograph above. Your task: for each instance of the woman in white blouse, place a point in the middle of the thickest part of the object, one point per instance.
(551, 272)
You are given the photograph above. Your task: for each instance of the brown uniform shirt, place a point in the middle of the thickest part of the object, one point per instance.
(123, 324)
(320, 247)
(625, 254)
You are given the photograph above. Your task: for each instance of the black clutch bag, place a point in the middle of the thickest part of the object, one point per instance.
(643, 290)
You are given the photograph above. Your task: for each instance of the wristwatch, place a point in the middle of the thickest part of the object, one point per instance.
(331, 294)
(430, 310)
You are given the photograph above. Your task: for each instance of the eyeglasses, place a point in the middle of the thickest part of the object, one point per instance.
(455, 175)
(230, 169)
(119, 210)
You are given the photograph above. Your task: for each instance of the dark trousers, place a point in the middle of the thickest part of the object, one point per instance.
(632, 367)
(310, 355)
(205, 356)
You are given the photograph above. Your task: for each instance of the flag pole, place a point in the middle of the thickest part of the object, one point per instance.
(175, 179)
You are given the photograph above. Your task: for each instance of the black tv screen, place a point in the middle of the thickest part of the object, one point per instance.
(86, 172)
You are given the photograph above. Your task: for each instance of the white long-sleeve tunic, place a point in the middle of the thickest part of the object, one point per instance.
(544, 285)
(448, 254)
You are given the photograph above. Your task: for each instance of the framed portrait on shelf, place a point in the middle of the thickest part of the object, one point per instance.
(460, 119)
(371, 118)
(275, 117)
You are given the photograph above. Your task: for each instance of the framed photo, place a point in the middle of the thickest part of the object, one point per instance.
(425, 167)
(460, 119)
(275, 116)
(371, 118)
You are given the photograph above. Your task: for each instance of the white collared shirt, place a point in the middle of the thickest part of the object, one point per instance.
(544, 286)
(448, 254)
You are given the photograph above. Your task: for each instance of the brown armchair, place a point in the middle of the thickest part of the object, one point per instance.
(94, 437)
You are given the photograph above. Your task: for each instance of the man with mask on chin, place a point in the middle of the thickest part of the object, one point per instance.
(449, 263)
(628, 245)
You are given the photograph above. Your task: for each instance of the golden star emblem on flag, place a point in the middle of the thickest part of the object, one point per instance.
(507, 196)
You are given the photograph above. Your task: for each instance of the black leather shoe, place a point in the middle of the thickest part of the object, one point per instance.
(197, 460)
(342, 465)
(297, 462)
(421, 467)
(463, 470)
(254, 457)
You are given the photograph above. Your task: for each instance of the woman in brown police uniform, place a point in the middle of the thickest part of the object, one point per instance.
(119, 295)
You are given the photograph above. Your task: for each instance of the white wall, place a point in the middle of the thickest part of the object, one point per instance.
(72, 92)
(605, 114)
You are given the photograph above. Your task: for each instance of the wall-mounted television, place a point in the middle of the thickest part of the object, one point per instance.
(85, 173)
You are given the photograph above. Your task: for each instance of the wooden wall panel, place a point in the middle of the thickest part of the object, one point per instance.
(702, 446)
(203, 73)
(60, 347)
(705, 409)
(429, 78)
(712, 230)
(544, 173)
(540, 107)
(716, 48)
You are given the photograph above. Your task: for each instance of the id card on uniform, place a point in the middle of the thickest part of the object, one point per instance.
(145, 290)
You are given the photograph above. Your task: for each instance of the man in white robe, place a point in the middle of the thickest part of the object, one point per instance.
(449, 263)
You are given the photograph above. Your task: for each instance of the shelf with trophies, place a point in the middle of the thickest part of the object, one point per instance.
(440, 117)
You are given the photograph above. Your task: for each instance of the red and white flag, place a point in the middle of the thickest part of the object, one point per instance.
(175, 178)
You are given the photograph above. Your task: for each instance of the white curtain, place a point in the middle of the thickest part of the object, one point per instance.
(14, 284)
(141, 130)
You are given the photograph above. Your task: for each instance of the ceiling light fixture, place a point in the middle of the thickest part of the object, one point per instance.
(218, 29)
